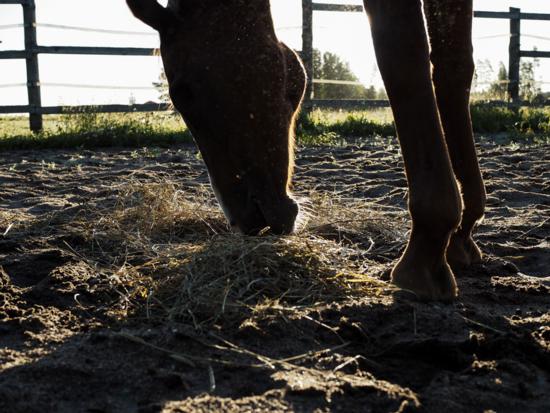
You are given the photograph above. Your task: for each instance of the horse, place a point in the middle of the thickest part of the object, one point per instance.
(239, 90)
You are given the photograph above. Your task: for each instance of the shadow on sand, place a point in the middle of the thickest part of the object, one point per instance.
(62, 352)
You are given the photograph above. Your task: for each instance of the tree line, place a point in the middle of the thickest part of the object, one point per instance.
(490, 86)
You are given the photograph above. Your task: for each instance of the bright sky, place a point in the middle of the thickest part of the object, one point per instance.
(346, 34)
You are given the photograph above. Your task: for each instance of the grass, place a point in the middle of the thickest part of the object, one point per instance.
(88, 130)
(526, 121)
(330, 127)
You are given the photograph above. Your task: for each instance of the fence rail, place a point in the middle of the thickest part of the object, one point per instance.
(58, 110)
(79, 50)
(309, 7)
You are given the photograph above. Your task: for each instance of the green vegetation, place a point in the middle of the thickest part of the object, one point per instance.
(87, 130)
(330, 66)
(525, 122)
(331, 127)
(322, 127)
(319, 127)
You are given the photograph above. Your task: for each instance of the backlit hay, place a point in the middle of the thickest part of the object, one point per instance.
(354, 221)
(192, 270)
(161, 211)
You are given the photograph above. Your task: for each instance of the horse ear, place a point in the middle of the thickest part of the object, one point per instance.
(151, 13)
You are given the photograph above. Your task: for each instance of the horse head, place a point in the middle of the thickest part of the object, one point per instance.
(238, 89)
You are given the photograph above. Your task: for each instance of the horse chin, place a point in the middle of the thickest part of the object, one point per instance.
(265, 213)
(280, 216)
(274, 219)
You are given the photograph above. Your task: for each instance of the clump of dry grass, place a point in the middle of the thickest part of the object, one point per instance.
(191, 269)
(161, 212)
(353, 221)
(228, 276)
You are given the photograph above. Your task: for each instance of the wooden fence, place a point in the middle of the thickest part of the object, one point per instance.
(514, 15)
(32, 50)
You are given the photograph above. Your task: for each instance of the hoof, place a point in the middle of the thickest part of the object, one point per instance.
(428, 284)
(462, 252)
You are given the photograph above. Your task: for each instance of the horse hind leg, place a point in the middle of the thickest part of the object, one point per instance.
(401, 46)
(450, 30)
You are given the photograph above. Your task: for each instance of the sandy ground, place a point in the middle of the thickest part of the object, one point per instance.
(62, 351)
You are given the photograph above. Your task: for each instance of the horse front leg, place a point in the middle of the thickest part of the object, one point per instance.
(402, 52)
(450, 29)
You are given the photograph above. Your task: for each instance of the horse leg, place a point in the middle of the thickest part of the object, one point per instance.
(401, 46)
(450, 29)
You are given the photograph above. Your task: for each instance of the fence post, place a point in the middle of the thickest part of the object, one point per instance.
(33, 74)
(307, 47)
(515, 54)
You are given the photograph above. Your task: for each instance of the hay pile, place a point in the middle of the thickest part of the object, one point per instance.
(186, 266)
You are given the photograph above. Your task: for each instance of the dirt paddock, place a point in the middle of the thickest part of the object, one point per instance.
(79, 324)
